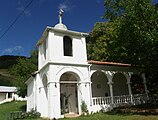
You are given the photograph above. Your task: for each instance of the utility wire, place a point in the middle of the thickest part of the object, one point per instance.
(11, 25)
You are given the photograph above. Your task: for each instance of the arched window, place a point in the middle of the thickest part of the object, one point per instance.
(67, 44)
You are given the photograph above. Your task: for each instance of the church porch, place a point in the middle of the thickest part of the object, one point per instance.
(105, 103)
(113, 89)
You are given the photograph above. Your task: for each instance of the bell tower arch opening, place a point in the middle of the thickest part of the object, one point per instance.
(67, 45)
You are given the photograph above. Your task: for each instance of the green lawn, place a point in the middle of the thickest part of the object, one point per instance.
(6, 108)
(104, 116)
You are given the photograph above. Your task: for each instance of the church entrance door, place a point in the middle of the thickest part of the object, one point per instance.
(68, 94)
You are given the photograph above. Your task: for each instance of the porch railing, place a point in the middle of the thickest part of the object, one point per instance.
(122, 99)
(101, 100)
(134, 99)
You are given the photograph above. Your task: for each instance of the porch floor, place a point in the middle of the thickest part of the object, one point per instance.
(71, 115)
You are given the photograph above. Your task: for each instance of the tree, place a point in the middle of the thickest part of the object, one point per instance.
(133, 37)
(137, 34)
(23, 70)
(99, 35)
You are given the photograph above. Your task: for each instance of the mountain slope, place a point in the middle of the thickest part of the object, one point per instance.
(7, 61)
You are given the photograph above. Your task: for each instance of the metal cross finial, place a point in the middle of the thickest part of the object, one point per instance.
(60, 16)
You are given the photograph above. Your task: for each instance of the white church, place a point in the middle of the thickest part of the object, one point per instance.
(65, 78)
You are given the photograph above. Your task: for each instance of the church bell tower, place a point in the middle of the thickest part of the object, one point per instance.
(58, 44)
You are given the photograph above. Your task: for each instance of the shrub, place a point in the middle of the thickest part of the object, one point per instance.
(31, 114)
(84, 108)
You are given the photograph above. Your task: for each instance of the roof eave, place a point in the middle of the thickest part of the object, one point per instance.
(45, 34)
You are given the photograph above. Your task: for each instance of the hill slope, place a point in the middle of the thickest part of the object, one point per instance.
(7, 61)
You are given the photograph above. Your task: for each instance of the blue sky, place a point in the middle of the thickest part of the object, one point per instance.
(79, 15)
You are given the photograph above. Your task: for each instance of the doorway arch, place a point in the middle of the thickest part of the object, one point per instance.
(69, 92)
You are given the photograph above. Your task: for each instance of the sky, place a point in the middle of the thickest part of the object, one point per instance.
(23, 32)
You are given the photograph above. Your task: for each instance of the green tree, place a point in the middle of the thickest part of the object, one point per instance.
(23, 70)
(137, 35)
(132, 38)
(100, 40)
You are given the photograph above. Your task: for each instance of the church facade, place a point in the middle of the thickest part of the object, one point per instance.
(65, 78)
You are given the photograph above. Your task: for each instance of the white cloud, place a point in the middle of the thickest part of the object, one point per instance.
(8, 50)
(12, 50)
(65, 6)
(21, 8)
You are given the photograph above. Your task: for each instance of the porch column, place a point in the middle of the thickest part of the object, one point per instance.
(128, 77)
(145, 86)
(111, 92)
(6, 95)
(110, 76)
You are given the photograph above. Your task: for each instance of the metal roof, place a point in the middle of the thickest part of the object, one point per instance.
(108, 63)
(8, 89)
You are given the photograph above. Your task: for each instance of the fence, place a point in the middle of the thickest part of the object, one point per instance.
(16, 115)
(13, 115)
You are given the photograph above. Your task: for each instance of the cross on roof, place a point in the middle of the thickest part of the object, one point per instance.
(60, 16)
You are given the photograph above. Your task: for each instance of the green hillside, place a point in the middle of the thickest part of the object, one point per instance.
(5, 62)
(8, 60)
(6, 79)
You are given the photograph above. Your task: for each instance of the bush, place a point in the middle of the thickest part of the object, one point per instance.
(31, 114)
(84, 108)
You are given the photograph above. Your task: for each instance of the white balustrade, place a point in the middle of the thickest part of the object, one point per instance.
(134, 99)
(101, 100)
(122, 99)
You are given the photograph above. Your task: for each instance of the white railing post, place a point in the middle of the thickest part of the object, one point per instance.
(110, 75)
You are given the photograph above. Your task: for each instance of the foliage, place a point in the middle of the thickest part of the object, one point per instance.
(84, 108)
(32, 114)
(99, 41)
(132, 37)
(137, 34)
(141, 109)
(22, 71)
(6, 81)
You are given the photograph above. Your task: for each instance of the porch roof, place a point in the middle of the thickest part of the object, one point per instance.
(108, 63)
(7, 89)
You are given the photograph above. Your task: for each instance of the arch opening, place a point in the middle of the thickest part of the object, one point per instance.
(100, 88)
(67, 42)
(69, 93)
(120, 86)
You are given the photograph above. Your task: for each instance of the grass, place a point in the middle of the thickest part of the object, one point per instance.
(105, 116)
(6, 108)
